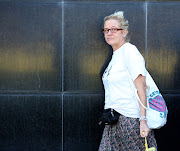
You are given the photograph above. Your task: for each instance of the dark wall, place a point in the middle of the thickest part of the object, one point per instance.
(52, 54)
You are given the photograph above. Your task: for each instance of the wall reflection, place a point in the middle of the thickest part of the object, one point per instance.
(20, 59)
(162, 65)
(91, 64)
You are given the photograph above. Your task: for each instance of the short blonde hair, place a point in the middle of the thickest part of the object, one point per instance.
(119, 17)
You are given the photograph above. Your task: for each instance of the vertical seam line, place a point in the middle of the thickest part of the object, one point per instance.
(62, 74)
(146, 32)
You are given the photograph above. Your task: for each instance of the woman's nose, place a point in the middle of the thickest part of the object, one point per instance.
(109, 32)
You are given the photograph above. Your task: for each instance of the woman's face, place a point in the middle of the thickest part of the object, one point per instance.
(117, 39)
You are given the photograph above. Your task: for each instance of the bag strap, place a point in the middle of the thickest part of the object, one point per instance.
(136, 91)
(132, 83)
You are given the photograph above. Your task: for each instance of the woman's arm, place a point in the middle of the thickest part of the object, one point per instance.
(140, 83)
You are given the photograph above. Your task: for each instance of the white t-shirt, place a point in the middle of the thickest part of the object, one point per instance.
(119, 94)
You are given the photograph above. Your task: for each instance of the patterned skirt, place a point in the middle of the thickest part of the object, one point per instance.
(125, 136)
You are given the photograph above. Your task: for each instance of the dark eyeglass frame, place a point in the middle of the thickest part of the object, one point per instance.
(116, 29)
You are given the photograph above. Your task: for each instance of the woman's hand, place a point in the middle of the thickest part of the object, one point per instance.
(144, 128)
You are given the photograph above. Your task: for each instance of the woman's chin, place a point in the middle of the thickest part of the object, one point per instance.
(110, 43)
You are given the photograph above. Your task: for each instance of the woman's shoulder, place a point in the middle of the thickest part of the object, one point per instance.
(130, 46)
(131, 49)
(132, 52)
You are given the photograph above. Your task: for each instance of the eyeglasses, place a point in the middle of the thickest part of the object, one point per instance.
(113, 30)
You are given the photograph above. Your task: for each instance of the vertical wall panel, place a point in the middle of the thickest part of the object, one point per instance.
(30, 122)
(164, 44)
(84, 47)
(30, 61)
(30, 52)
(163, 52)
(168, 136)
(81, 113)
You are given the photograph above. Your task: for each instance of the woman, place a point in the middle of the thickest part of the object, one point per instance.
(129, 132)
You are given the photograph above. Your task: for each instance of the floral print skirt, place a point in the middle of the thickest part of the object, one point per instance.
(125, 136)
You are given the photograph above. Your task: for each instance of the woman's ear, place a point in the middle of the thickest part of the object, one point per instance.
(125, 32)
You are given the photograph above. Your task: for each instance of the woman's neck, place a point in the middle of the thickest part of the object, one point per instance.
(117, 47)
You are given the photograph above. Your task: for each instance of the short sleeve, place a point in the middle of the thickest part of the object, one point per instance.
(135, 62)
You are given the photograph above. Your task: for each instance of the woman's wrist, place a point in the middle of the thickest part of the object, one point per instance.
(142, 118)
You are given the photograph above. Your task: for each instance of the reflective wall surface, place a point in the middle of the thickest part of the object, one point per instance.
(52, 56)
